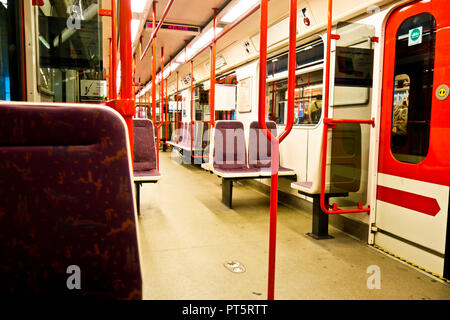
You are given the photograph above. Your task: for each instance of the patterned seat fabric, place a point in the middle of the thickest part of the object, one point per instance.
(66, 200)
(144, 146)
(229, 146)
(259, 147)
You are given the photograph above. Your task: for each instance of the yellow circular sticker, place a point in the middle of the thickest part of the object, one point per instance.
(442, 92)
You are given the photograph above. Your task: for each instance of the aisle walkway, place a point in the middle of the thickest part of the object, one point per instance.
(187, 234)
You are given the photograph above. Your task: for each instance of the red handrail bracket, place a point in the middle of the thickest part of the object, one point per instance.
(104, 12)
(335, 37)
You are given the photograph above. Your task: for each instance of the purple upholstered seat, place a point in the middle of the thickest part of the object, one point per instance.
(144, 150)
(260, 152)
(230, 151)
(66, 200)
(302, 184)
(186, 136)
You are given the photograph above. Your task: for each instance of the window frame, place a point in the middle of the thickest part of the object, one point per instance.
(396, 150)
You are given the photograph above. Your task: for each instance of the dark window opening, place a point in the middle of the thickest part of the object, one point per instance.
(413, 88)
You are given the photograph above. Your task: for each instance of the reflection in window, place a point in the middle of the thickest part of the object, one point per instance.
(306, 56)
(308, 99)
(413, 88)
(12, 80)
(401, 103)
(277, 100)
(5, 90)
(308, 86)
(70, 41)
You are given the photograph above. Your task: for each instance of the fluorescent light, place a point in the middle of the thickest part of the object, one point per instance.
(190, 52)
(238, 10)
(134, 28)
(138, 5)
(170, 68)
(174, 66)
(206, 38)
(166, 72)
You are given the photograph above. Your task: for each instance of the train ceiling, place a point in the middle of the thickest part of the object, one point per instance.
(195, 13)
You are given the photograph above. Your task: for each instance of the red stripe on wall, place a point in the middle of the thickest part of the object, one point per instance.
(408, 200)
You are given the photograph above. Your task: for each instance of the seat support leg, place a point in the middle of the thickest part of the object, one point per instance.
(320, 221)
(227, 192)
(138, 197)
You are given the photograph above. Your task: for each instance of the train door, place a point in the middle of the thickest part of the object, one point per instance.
(412, 208)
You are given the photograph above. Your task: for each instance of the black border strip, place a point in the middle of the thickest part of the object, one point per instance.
(447, 245)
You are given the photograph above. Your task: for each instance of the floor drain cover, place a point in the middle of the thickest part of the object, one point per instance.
(234, 266)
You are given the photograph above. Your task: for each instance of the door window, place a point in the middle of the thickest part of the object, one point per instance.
(413, 88)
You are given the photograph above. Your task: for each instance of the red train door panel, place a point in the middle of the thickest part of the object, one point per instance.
(414, 161)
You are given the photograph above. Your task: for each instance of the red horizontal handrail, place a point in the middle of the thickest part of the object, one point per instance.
(330, 121)
(155, 30)
(226, 30)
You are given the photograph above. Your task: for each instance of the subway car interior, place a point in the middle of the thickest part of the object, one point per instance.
(225, 149)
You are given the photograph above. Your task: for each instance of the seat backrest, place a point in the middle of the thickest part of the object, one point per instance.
(177, 133)
(186, 135)
(259, 146)
(144, 145)
(199, 135)
(205, 135)
(67, 214)
(229, 145)
(345, 163)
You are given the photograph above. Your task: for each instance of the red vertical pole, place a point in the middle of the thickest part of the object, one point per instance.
(111, 90)
(154, 68)
(113, 71)
(192, 103)
(126, 57)
(262, 63)
(326, 103)
(212, 89)
(262, 124)
(291, 69)
(161, 100)
(161, 106)
(167, 111)
(176, 125)
(140, 103)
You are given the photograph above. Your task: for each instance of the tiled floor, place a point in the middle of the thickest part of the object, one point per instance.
(187, 234)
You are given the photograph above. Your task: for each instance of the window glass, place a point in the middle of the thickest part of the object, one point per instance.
(310, 54)
(12, 79)
(277, 100)
(308, 86)
(5, 89)
(413, 88)
(70, 39)
(277, 65)
(307, 55)
(308, 99)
